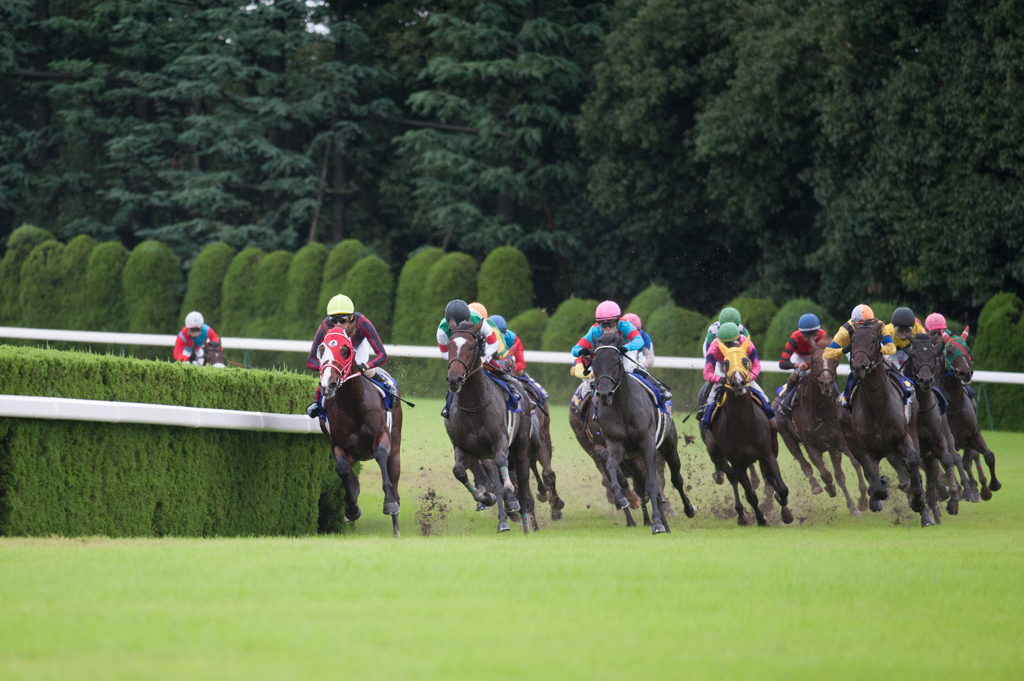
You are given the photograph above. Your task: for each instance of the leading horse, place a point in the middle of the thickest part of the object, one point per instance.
(357, 425)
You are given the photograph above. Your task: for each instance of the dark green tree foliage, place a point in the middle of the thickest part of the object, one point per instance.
(239, 305)
(1000, 347)
(757, 315)
(411, 314)
(42, 282)
(565, 328)
(21, 242)
(530, 327)
(371, 286)
(269, 296)
(340, 260)
(152, 289)
(505, 286)
(104, 293)
(647, 301)
(451, 277)
(75, 293)
(206, 283)
(305, 274)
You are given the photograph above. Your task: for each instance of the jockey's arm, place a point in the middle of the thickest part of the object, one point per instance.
(491, 345)
(182, 352)
(634, 341)
(839, 341)
(516, 353)
(313, 362)
(888, 346)
(710, 364)
(755, 362)
(585, 343)
(366, 330)
(442, 342)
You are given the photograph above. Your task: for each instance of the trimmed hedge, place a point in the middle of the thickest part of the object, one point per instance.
(757, 315)
(451, 277)
(152, 288)
(371, 286)
(76, 478)
(104, 293)
(565, 328)
(410, 297)
(305, 275)
(530, 327)
(21, 242)
(75, 293)
(340, 261)
(206, 283)
(1000, 347)
(269, 295)
(42, 283)
(649, 300)
(238, 304)
(504, 285)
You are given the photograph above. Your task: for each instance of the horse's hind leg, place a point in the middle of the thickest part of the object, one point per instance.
(969, 462)
(754, 480)
(741, 476)
(990, 461)
(492, 474)
(817, 458)
(837, 466)
(658, 522)
(351, 484)
(862, 485)
(773, 477)
(380, 455)
(542, 490)
(793, 445)
(674, 467)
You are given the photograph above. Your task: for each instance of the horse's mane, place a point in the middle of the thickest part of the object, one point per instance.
(465, 326)
(613, 337)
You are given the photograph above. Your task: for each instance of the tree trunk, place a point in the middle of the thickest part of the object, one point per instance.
(338, 177)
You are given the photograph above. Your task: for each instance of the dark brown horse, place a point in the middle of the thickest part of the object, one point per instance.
(482, 429)
(211, 354)
(540, 453)
(358, 427)
(962, 414)
(923, 365)
(629, 422)
(740, 436)
(876, 426)
(814, 422)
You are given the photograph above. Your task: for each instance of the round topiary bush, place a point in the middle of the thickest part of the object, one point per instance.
(206, 283)
(104, 293)
(451, 277)
(340, 261)
(152, 292)
(75, 291)
(649, 300)
(1000, 347)
(238, 304)
(530, 327)
(410, 296)
(785, 322)
(19, 245)
(305, 276)
(270, 294)
(505, 283)
(42, 286)
(564, 329)
(371, 286)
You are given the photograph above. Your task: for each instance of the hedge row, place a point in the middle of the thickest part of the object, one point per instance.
(71, 478)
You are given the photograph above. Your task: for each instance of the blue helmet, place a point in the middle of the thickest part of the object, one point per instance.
(809, 322)
(498, 322)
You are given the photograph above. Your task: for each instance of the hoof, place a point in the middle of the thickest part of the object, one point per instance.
(621, 503)
(741, 519)
(480, 507)
(634, 502)
(875, 506)
(689, 511)
(787, 515)
(917, 505)
(489, 500)
(353, 515)
(558, 504)
(762, 521)
(943, 493)
(658, 529)
(391, 509)
(503, 526)
(986, 493)
(556, 514)
(882, 494)
(542, 497)
(862, 504)
(831, 489)
(975, 497)
(952, 507)
(718, 477)
(926, 520)
(512, 505)
(995, 485)
(854, 510)
(816, 488)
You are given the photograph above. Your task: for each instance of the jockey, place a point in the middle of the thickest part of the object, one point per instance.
(902, 329)
(729, 335)
(493, 356)
(935, 325)
(727, 315)
(365, 342)
(797, 354)
(515, 356)
(192, 337)
(646, 354)
(861, 313)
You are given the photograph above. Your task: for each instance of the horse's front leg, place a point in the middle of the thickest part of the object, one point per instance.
(658, 522)
(837, 466)
(912, 456)
(494, 481)
(675, 472)
(501, 460)
(990, 460)
(525, 497)
(380, 455)
(611, 464)
(343, 464)
(459, 471)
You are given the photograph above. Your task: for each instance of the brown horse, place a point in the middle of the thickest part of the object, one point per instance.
(740, 435)
(630, 422)
(482, 429)
(814, 422)
(540, 452)
(876, 425)
(962, 414)
(211, 354)
(357, 426)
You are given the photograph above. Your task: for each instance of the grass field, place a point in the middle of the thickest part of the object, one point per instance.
(829, 597)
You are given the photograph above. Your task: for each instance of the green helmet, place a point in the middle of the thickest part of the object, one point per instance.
(728, 332)
(729, 315)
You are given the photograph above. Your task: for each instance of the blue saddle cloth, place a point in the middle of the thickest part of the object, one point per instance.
(905, 385)
(542, 394)
(663, 405)
(385, 382)
(512, 399)
(941, 399)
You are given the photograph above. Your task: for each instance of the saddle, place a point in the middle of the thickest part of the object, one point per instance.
(582, 403)
(723, 395)
(386, 386)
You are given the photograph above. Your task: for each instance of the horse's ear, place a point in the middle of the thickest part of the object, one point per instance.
(476, 327)
(966, 331)
(745, 344)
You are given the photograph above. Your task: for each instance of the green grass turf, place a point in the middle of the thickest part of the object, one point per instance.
(829, 597)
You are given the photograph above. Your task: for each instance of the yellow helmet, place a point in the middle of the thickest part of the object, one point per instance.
(340, 304)
(477, 307)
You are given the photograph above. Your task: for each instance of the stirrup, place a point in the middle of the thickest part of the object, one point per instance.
(313, 410)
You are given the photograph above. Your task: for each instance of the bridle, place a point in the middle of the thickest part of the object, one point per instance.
(475, 359)
(328, 361)
(959, 350)
(618, 377)
(876, 348)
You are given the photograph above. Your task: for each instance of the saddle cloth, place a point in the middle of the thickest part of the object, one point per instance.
(387, 387)
(582, 403)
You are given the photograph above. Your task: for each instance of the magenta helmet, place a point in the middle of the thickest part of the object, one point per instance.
(935, 322)
(632, 319)
(609, 309)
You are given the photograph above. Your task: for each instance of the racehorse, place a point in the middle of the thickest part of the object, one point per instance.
(357, 425)
(876, 425)
(540, 452)
(931, 434)
(814, 422)
(962, 414)
(210, 354)
(630, 421)
(482, 429)
(740, 435)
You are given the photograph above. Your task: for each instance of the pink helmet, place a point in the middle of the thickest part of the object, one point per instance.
(632, 319)
(935, 322)
(609, 309)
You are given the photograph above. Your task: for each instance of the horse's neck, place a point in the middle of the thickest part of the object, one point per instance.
(952, 387)
(474, 390)
(820, 405)
(622, 397)
(350, 395)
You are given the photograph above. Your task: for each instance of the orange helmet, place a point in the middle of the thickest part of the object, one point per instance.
(477, 307)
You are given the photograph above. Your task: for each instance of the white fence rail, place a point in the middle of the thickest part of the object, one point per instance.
(429, 352)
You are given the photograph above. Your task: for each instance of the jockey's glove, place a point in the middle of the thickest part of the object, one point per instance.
(579, 371)
(362, 368)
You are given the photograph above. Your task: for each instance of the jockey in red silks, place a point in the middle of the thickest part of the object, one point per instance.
(797, 354)
(192, 337)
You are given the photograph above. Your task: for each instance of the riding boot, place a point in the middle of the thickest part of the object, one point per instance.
(447, 404)
(313, 410)
(787, 394)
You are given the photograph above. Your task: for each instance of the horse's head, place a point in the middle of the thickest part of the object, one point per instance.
(335, 355)
(607, 366)
(925, 351)
(958, 358)
(737, 366)
(865, 347)
(824, 370)
(465, 348)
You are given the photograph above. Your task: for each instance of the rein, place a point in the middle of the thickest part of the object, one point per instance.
(470, 372)
(618, 379)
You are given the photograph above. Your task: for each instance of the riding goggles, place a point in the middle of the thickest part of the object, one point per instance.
(334, 320)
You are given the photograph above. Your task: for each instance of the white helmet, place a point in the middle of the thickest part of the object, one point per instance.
(194, 320)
